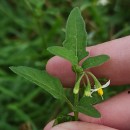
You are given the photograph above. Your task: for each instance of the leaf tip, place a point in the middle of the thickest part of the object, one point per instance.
(75, 9)
(11, 67)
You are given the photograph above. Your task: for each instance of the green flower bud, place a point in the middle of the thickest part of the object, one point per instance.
(77, 85)
(87, 91)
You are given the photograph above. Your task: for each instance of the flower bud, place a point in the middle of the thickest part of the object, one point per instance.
(77, 85)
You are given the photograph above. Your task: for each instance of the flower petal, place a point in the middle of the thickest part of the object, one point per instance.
(106, 85)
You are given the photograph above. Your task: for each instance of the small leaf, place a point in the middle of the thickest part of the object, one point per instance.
(76, 36)
(85, 106)
(95, 61)
(64, 52)
(61, 119)
(88, 110)
(90, 100)
(43, 79)
(96, 98)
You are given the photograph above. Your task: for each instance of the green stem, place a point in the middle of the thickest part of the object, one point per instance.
(69, 104)
(76, 100)
(95, 79)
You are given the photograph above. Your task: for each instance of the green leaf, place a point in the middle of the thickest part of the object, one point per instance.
(76, 36)
(64, 52)
(88, 110)
(43, 79)
(85, 106)
(95, 61)
(61, 119)
(90, 100)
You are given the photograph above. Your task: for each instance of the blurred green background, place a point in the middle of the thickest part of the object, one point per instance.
(27, 28)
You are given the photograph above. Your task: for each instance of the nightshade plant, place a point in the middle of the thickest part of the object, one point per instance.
(74, 51)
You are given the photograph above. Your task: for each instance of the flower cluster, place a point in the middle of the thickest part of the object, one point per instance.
(88, 90)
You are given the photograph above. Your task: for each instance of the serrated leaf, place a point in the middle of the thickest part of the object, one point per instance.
(41, 78)
(64, 52)
(95, 61)
(76, 36)
(61, 119)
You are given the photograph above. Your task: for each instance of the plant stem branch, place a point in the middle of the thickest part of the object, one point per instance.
(76, 99)
(69, 104)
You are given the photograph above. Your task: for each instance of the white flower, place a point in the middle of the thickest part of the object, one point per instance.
(99, 89)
